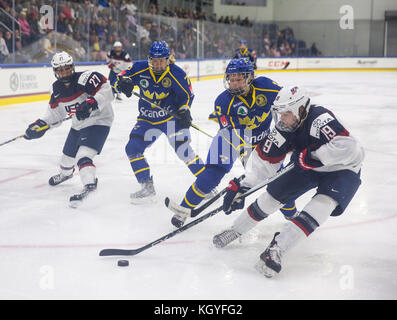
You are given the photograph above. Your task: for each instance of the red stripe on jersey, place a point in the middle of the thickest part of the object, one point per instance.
(266, 158)
(345, 133)
(67, 99)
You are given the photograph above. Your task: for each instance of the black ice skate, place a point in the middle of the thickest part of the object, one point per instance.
(77, 199)
(225, 237)
(59, 178)
(270, 260)
(146, 194)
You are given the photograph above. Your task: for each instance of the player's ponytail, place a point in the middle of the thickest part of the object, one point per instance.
(171, 59)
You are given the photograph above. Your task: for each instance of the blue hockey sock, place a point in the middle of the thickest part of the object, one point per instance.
(203, 185)
(196, 166)
(289, 209)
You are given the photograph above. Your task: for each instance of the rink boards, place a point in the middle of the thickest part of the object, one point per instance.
(31, 82)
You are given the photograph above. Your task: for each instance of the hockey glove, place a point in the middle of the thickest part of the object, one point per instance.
(84, 109)
(183, 118)
(125, 85)
(234, 190)
(305, 161)
(36, 129)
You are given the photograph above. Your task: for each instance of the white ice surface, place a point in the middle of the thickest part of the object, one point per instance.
(50, 251)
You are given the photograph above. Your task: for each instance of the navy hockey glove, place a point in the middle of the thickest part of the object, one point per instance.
(306, 162)
(125, 86)
(36, 129)
(183, 118)
(84, 109)
(234, 190)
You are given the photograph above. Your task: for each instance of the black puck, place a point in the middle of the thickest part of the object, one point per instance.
(122, 263)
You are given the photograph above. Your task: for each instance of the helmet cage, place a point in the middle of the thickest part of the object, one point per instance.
(62, 59)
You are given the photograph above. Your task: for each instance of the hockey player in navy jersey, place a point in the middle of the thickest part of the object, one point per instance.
(244, 52)
(243, 114)
(163, 83)
(117, 60)
(325, 156)
(87, 96)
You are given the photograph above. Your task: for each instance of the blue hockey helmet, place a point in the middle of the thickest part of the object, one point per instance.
(159, 49)
(237, 70)
(243, 42)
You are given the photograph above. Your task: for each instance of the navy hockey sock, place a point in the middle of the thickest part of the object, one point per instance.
(140, 167)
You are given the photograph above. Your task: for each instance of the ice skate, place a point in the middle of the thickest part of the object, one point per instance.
(146, 194)
(180, 213)
(270, 260)
(77, 199)
(59, 178)
(225, 237)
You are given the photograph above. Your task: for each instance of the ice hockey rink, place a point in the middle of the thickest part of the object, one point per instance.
(50, 251)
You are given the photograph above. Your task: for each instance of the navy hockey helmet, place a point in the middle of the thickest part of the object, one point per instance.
(238, 68)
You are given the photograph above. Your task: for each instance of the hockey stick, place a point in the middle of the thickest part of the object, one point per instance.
(40, 129)
(132, 252)
(200, 209)
(195, 212)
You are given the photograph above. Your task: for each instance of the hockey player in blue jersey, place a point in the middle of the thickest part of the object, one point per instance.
(325, 156)
(244, 52)
(167, 85)
(86, 96)
(117, 60)
(243, 114)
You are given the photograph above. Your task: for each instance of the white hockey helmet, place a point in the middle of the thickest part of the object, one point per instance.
(62, 59)
(117, 44)
(293, 99)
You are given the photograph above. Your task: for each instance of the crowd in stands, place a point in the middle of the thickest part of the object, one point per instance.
(89, 29)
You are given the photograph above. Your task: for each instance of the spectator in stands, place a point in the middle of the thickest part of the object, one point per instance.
(266, 44)
(25, 27)
(314, 50)
(8, 41)
(4, 53)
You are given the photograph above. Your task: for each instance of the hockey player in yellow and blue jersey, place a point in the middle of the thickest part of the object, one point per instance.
(243, 114)
(165, 84)
(245, 52)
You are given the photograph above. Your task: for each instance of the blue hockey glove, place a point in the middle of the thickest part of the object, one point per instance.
(183, 118)
(36, 129)
(234, 190)
(306, 162)
(125, 86)
(84, 109)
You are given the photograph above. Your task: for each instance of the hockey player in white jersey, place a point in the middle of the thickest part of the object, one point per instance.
(325, 157)
(87, 97)
(117, 60)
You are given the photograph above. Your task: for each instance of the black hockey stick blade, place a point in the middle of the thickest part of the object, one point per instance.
(132, 252)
